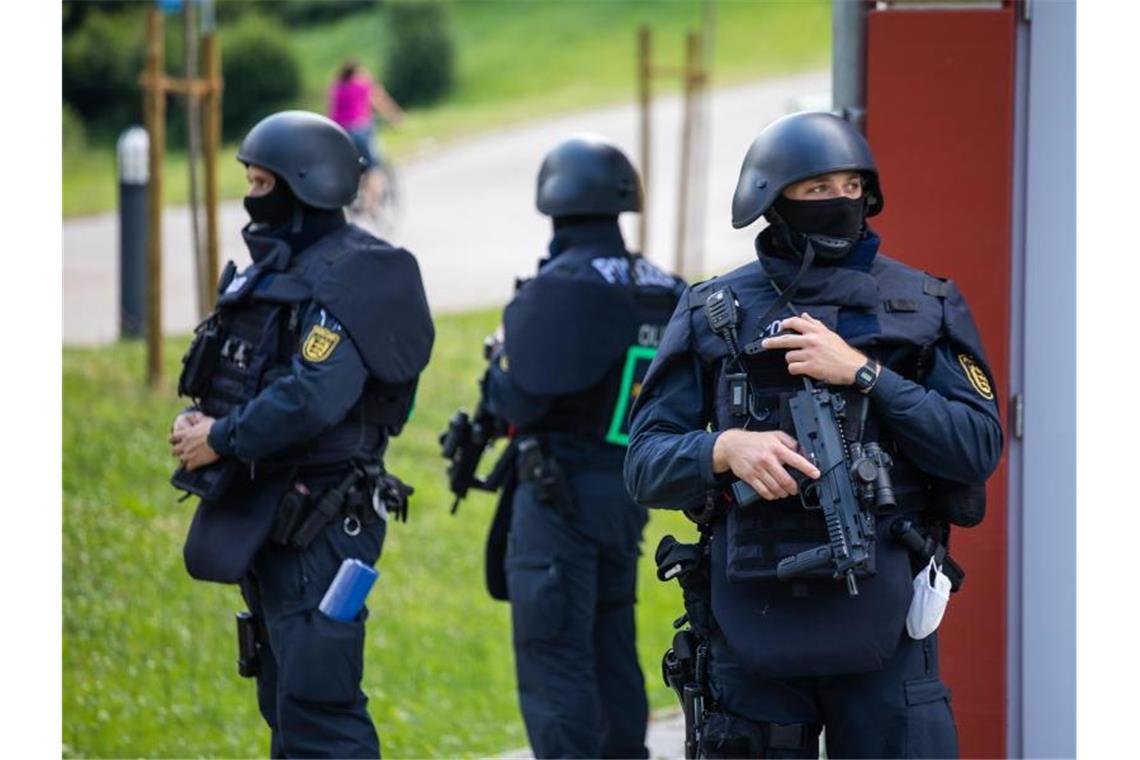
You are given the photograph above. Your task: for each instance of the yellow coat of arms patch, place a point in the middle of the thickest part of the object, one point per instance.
(319, 344)
(976, 376)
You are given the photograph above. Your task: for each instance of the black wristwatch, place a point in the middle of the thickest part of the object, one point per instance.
(866, 376)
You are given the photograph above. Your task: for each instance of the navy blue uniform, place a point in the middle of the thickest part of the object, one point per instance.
(802, 654)
(571, 560)
(302, 407)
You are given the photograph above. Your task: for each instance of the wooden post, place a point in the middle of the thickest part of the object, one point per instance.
(155, 98)
(211, 134)
(644, 72)
(691, 77)
(194, 154)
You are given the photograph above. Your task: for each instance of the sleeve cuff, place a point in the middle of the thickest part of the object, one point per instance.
(220, 438)
(886, 386)
(705, 453)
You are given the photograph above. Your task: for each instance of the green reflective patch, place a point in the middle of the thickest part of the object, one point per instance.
(637, 361)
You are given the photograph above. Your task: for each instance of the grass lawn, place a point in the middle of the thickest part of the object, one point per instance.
(516, 60)
(149, 655)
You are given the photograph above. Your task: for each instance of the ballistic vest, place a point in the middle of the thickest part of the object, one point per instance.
(582, 333)
(251, 337)
(810, 625)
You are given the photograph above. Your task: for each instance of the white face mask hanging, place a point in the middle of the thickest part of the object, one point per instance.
(931, 595)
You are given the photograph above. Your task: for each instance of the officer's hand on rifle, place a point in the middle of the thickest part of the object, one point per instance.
(759, 459)
(816, 351)
(191, 445)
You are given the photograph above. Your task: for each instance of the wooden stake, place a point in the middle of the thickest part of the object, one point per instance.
(211, 134)
(155, 99)
(644, 73)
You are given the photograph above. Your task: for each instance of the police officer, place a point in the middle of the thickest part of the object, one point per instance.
(299, 377)
(578, 337)
(789, 657)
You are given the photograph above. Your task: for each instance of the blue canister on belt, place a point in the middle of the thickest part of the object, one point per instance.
(346, 594)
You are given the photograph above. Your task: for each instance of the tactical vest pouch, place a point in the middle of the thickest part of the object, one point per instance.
(387, 405)
(759, 536)
(961, 504)
(201, 359)
(207, 483)
(244, 351)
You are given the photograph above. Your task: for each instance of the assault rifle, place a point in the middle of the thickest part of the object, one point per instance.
(853, 477)
(463, 444)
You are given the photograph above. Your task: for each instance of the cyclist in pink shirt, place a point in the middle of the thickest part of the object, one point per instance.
(352, 98)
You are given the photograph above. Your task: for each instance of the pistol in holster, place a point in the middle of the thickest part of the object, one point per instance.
(550, 484)
(685, 670)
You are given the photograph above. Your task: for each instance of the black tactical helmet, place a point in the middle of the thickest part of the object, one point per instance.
(313, 155)
(794, 148)
(587, 175)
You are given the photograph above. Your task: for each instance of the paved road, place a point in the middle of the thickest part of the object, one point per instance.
(468, 211)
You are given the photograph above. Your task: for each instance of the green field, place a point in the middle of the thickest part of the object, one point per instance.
(516, 60)
(149, 655)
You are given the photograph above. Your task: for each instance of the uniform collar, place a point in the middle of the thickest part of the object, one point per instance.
(846, 282)
(595, 233)
(272, 248)
(860, 258)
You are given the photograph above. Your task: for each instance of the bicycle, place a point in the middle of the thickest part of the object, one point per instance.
(377, 202)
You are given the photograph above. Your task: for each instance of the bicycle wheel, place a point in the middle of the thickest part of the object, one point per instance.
(377, 202)
(386, 210)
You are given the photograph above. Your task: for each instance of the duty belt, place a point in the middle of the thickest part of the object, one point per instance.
(303, 514)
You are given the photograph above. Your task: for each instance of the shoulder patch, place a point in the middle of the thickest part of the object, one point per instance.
(976, 376)
(319, 344)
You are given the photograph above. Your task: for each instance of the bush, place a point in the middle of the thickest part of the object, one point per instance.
(261, 74)
(421, 60)
(102, 61)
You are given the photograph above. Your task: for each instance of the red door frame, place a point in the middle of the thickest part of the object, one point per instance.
(940, 111)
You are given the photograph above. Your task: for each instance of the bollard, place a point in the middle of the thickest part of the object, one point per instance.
(133, 150)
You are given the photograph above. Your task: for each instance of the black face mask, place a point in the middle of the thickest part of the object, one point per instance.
(273, 209)
(833, 226)
(834, 217)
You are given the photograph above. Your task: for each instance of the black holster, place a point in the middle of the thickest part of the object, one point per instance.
(550, 484)
(303, 515)
(685, 670)
(685, 665)
(249, 637)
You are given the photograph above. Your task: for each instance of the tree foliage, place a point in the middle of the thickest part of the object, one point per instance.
(420, 68)
(261, 73)
(102, 61)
